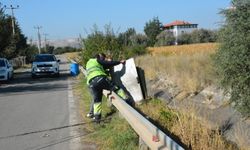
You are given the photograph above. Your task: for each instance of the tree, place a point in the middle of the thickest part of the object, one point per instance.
(11, 45)
(125, 38)
(21, 41)
(152, 29)
(5, 29)
(233, 57)
(138, 39)
(132, 44)
(50, 49)
(99, 41)
(137, 46)
(30, 51)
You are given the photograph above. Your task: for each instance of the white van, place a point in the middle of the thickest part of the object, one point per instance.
(6, 70)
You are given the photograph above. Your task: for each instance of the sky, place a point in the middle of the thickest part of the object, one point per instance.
(63, 19)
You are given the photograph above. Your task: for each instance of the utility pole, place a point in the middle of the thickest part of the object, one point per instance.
(39, 37)
(45, 41)
(12, 16)
(81, 41)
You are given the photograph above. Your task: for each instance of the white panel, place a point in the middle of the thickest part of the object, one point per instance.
(126, 75)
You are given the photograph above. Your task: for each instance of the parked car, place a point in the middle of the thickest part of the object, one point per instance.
(45, 64)
(6, 70)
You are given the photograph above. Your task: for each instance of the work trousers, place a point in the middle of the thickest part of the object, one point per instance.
(97, 85)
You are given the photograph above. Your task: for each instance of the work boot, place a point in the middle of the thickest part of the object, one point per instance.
(97, 119)
(90, 115)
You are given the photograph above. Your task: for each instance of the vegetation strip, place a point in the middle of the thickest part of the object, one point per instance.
(115, 134)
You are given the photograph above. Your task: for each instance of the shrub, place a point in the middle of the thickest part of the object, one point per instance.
(135, 51)
(30, 52)
(99, 41)
(125, 37)
(165, 38)
(67, 49)
(233, 57)
(127, 44)
(202, 36)
(139, 39)
(185, 39)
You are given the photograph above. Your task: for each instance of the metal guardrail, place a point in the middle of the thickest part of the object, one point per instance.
(150, 134)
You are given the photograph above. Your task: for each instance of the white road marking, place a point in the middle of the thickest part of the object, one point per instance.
(75, 143)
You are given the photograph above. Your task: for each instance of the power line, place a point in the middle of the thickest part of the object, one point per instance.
(12, 16)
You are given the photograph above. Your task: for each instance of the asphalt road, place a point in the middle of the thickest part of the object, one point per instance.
(37, 114)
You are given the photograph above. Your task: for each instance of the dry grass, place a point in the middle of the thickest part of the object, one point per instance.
(74, 56)
(196, 134)
(191, 69)
(191, 72)
(241, 136)
(190, 49)
(183, 124)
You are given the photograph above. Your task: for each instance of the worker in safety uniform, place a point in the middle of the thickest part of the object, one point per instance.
(97, 79)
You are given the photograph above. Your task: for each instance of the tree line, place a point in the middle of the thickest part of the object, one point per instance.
(130, 43)
(14, 45)
(126, 44)
(11, 45)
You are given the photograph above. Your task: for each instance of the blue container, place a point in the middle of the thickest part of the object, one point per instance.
(74, 69)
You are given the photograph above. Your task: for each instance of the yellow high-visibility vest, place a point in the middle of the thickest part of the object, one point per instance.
(94, 69)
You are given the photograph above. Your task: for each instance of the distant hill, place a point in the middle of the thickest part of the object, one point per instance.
(71, 42)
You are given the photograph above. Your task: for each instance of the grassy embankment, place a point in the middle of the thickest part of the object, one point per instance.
(114, 133)
(190, 68)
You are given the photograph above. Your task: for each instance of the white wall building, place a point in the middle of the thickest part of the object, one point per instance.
(179, 27)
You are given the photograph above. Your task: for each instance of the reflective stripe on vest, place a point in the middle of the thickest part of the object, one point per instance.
(97, 108)
(122, 94)
(94, 69)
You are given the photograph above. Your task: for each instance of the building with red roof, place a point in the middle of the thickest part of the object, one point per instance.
(179, 27)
